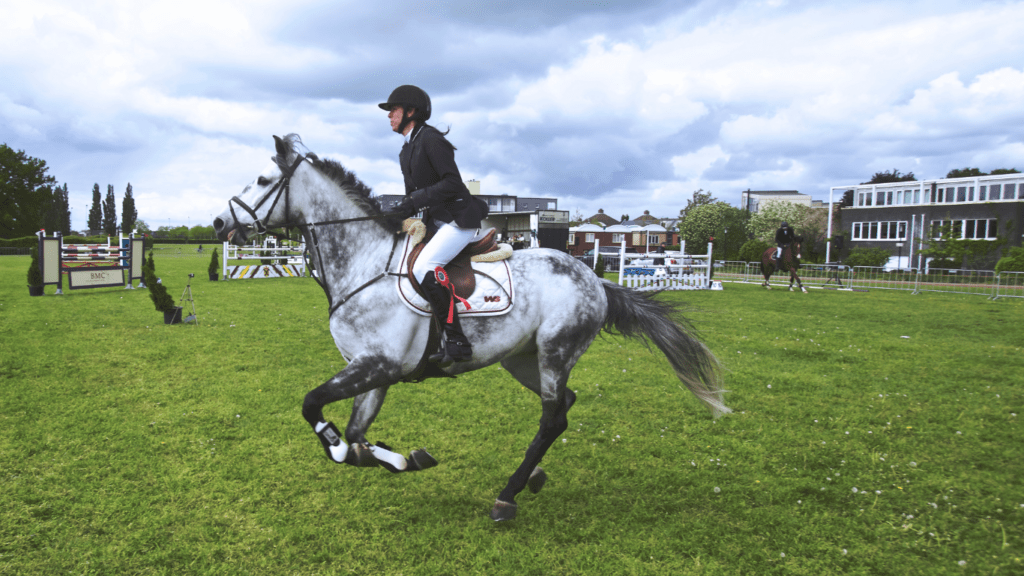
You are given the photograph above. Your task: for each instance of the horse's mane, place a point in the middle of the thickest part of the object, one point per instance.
(356, 190)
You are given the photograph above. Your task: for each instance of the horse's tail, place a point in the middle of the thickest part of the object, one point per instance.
(638, 315)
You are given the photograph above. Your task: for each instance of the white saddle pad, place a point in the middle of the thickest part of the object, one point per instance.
(493, 295)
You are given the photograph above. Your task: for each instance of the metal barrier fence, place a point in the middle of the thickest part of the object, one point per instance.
(816, 275)
(1010, 285)
(948, 281)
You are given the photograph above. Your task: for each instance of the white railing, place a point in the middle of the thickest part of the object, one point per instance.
(258, 262)
(679, 271)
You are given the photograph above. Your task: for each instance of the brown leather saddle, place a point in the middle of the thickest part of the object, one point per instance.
(460, 269)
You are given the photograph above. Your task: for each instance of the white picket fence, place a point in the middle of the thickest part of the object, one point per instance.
(680, 271)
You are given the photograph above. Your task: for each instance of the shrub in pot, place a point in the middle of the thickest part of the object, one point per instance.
(161, 299)
(35, 277)
(214, 266)
(599, 266)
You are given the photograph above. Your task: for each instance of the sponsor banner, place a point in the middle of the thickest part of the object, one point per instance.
(94, 278)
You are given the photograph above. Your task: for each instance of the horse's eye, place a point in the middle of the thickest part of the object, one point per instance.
(262, 181)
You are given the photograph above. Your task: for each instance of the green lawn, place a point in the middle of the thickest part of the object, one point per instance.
(874, 433)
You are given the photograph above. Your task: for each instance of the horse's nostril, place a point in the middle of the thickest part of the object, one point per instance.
(218, 224)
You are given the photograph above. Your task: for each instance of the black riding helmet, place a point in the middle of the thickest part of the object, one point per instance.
(784, 225)
(409, 96)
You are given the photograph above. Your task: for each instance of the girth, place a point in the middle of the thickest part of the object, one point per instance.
(460, 269)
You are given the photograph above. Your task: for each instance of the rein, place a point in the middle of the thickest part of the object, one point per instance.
(283, 186)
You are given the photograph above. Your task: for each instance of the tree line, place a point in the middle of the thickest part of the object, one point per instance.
(30, 199)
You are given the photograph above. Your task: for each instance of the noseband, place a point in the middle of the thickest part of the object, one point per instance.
(282, 185)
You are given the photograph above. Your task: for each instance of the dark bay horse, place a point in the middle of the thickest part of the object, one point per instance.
(790, 263)
(560, 306)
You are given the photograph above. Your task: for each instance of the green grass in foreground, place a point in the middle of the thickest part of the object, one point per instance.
(132, 447)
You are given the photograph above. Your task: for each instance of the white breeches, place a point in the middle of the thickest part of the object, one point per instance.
(442, 248)
(778, 253)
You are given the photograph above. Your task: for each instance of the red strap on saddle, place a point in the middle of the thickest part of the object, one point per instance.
(442, 279)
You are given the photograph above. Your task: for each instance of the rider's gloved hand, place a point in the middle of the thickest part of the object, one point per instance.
(404, 209)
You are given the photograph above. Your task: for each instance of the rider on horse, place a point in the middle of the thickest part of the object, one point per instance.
(784, 236)
(434, 187)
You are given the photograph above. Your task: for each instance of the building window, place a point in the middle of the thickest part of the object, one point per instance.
(984, 229)
(981, 193)
(552, 205)
(1008, 191)
(572, 238)
(880, 230)
(617, 238)
(590, 236)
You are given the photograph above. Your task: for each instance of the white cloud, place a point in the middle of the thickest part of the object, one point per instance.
(181, 98)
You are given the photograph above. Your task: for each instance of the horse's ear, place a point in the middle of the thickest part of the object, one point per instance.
(282, 148)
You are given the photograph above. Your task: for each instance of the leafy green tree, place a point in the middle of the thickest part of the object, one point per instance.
(753, 249)
(96, 211)
(700, 198)
(862, 256)
(964, 173)
(770, 214)
(894, 176)
(110, 212)
(198, 232)
(703, 223)
(729, 242)
(1013, 261)
(1004, 171)
(128, 212)
(26, 191)
(142, 227)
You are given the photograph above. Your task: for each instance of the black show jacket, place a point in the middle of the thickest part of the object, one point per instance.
(433, 182)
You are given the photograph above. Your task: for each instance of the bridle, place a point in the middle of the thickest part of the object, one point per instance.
(283, 187)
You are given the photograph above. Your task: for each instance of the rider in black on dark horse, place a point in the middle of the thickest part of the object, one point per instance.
(784, 236)
(452, 215)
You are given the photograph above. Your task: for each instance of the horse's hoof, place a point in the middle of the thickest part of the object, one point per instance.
(421, 460)
(804, 290)
(791, 289)
(537, 479)
(361, 455)
(503, 511)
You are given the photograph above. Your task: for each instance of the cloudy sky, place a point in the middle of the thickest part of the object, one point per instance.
(625, 106)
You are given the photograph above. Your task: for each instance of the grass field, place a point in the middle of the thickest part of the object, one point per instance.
(874, 433)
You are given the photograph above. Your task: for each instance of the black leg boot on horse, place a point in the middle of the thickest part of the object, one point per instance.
(455, 346)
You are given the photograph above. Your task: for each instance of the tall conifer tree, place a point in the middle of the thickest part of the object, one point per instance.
(96, 212)
(128, 212)
(65, 203)
(110, 212)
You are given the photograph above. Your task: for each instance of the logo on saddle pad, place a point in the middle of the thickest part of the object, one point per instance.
(492, 298)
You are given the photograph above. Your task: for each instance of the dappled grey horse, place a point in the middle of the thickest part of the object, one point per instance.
(560, 306)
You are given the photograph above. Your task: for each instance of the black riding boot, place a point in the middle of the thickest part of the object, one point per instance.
(454, 344)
